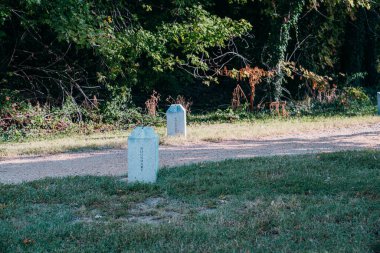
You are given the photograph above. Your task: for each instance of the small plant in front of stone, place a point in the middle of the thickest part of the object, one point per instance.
(186, 103)
(152, 103)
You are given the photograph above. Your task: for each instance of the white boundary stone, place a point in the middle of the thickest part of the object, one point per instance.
(176, 120)
(143, 156)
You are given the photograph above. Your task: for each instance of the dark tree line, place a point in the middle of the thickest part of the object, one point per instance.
(54, 49)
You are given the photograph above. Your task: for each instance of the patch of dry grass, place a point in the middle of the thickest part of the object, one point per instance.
(65, 144)
(196, 133)
(265, 128)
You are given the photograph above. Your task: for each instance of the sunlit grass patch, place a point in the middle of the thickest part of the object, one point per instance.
(215, 132)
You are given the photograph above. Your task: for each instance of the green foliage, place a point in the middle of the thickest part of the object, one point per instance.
(118, 44)
(348, 101)
(200, 32)
(282, 39)
(20, 120)
(121, 112)
(4, 14)
(228, 115)
(353, 78)
(356, 101)
(128, 117)
(53, 49)
(354, 94)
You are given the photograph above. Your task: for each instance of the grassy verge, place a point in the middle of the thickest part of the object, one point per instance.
(196, 132)
(309, 203)
(59, 144)
(267, 127)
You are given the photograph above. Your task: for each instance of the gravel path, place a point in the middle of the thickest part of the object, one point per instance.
(114, 162)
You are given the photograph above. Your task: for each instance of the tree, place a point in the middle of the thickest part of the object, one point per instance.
(62, 46)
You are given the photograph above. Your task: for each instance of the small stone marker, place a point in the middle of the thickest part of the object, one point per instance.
(176, 120)
(378, 103)
(143, 155)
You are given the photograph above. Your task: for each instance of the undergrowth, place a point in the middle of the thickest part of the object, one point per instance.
(23, 120)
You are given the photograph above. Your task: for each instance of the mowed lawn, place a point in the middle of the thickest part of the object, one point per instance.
(308, 203)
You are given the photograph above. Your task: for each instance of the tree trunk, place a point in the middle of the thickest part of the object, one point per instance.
(280, 41)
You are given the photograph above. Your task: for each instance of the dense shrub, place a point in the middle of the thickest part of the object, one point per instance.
(22, 119)
(349, 101)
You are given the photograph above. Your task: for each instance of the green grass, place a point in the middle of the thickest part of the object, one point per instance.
(309, 203)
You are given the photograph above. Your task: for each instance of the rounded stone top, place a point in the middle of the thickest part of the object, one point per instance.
(176, 108)
(143, 133)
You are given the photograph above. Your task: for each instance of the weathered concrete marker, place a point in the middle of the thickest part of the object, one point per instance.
(378, 103)
(176, 120)
(143, 155)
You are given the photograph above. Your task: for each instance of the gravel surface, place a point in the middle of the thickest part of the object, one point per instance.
(114, 162)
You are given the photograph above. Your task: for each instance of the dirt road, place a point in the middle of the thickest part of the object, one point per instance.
(114, 162)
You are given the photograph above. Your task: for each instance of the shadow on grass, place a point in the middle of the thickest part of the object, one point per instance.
(321, 202)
